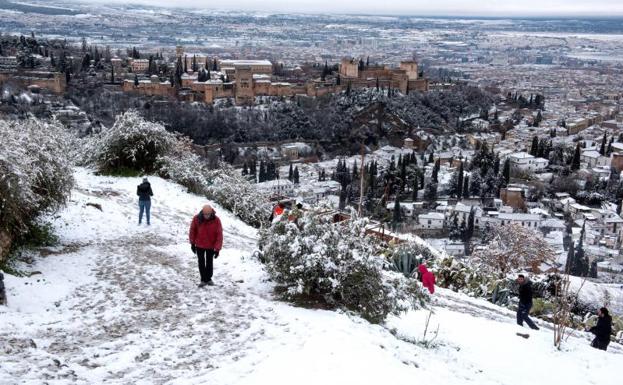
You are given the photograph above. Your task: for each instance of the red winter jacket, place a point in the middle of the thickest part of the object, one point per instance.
(428, 278)
(207, 234)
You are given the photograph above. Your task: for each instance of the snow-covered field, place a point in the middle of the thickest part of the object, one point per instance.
(118, 303)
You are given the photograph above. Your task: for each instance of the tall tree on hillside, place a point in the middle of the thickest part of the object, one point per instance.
(397, 214)
(506, 172)
(435, 173)
(466, 187)
(459, 183)
(575, 162)
(295, 175)
(602, 149)
(290, 173)
(534, 148)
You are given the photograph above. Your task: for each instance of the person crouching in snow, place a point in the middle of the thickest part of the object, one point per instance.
(602, 330)
(206, 240)
(428, 278)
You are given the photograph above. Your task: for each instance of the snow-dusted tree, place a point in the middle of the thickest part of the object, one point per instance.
(35, 173)
(514, 247)
(316, 261)
(132, 143)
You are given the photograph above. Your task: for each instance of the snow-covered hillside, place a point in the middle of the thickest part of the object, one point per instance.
(118, 303)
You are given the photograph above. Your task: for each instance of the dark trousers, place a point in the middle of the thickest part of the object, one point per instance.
(599, 344)
(523, 311)
(143, 206)
(205, 258)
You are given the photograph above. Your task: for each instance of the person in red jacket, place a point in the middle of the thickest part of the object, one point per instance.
(206, 240)
(428, 278)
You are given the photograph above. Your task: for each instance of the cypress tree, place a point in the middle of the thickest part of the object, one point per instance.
(290, 173)
(602, 149)
(459, 182)
(466, 187)
(295, 175)
(575, 162)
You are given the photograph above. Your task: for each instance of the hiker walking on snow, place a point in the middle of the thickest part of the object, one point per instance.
(602, 330)
(206, 240)
(144, 193)
(525, 302)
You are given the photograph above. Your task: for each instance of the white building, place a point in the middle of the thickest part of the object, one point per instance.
(523, 161)
(431, 221)
(528, 221)
(281, 187)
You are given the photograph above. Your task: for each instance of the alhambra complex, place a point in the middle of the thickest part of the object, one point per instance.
(243, 80)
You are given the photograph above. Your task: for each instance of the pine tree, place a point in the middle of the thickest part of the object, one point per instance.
(570, 258)
(602, 149)
(575, 162)
(459, 182)
(295, 175)
(415, 189)
(506, 172)
(435, 173)
(535, 146)
(593, 270)
(430, 192)
(397, 214)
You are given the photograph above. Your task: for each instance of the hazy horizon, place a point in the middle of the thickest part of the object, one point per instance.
(452, 8)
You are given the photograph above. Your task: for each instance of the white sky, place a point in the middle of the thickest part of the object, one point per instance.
(411, 7)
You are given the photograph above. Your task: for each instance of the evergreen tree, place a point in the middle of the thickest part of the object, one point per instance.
(253, 170)
(575, 162)
(593, 270)
(245, 171)
(415, 189)
(570, 258)
(466, 187)
(397, 214)
(291, 173)
(136, 80)
(295, 175)
(459, 182)
(430, 193)
(431, 158)
(602, 149)
(535, 146)
(506, 172)
(435, 173)
(262, 176)
(609, 148)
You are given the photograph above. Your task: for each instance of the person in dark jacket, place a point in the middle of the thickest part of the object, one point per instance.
(525, 302)
(206, 241)
(602, 330)
(2, 290)
(144, 193)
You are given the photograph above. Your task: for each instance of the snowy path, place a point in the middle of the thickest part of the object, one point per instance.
(117, 303)
(133, 306)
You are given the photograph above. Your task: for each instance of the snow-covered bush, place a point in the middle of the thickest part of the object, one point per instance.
(222, 185)
(131, 144)
(335, 265)
(35, 174)
(514, 247)
(142, 146)
(461, 276)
